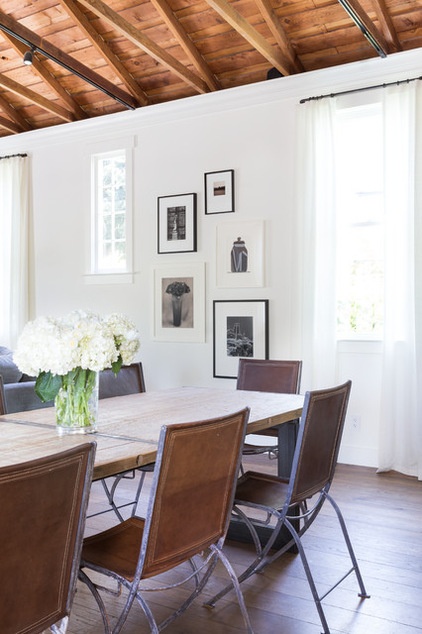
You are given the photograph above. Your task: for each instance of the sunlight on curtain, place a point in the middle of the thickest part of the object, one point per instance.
(318, 244)
(14, 243)
(400, 442)
(401, 417)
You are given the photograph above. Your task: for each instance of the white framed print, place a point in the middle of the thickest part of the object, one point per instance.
(240, 254)
(179, 302)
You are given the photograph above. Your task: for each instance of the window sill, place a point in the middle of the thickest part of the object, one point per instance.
(108, 278)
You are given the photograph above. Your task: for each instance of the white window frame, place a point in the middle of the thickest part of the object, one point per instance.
(95, 274)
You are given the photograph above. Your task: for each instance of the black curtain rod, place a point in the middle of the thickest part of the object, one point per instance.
(349, 92)
(13, 156)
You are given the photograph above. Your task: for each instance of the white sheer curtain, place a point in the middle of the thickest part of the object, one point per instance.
(400, 443)
(316, 188)
(401, 414)
(14, 244)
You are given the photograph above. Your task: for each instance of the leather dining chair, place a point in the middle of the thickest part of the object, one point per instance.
(268, 375)
(186, 522)
(129, 380)
(295, 504)
(43, 507)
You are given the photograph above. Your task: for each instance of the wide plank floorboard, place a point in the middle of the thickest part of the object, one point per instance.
(384, 516)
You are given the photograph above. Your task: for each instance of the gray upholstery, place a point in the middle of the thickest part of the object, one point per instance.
(18, 389)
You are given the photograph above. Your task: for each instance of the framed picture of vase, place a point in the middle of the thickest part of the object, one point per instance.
(179, 302)
(219, 192)
(240, 254)
(176, 229)
(240, 329)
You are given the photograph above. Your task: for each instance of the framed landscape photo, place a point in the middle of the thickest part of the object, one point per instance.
(176, 223)
(219, 192)
(179, 302)
(240, 329)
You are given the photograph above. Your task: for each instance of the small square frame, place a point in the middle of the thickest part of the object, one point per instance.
(176, 218)
(240, 329)
(192, 304)
(219, 192)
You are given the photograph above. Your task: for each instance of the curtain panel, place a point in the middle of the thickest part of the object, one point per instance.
(14, 239)
(400, 438)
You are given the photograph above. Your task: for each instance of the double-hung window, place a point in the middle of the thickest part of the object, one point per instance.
(111, 212)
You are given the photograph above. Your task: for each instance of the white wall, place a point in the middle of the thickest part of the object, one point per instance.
(250, 130)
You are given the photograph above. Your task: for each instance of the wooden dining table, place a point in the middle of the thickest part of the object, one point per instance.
(129, 426)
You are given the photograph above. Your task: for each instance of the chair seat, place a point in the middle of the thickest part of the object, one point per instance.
(261, 489)
(116, 548)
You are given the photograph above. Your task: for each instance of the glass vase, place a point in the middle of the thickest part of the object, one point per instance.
(76, 403)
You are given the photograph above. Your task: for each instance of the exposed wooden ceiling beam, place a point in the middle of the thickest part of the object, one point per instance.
(14, 28)
(34, 97)
(10, 125)
(246, 30)
(45, 74)
(365, 24)
(186, 43)
(279, 33)
(101, 46)
(16, 117)
(144, 42)
(387, 25)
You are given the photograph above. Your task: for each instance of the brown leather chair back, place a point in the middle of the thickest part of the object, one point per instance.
(193, 489)
(129, 380)
(43, 505)
(269, 375)
(318, 442)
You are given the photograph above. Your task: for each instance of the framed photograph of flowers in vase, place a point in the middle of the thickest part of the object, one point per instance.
(179, 302)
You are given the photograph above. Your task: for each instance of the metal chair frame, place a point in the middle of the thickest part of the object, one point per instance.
(268, 375)
(295, 504)
(111, 385)
(44, 504)
(188, 515)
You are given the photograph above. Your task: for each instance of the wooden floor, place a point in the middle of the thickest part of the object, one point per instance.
(384, 516)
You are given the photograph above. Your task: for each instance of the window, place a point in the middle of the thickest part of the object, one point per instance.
(111, 217)
(360, 221)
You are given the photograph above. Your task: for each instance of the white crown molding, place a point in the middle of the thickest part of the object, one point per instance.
(403, 65)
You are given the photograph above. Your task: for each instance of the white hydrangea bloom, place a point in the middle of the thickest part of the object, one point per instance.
(79, 340)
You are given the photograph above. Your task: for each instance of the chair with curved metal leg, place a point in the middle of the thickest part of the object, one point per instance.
(129, 380)
(301, 498)
(267, 375)
(187, 519)
(43, 509)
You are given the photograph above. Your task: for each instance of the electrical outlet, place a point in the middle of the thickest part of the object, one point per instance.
(355, 422)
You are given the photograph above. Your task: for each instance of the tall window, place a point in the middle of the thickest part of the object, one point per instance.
(359, 185)
(111, 212)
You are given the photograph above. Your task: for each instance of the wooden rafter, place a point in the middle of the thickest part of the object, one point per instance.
(72, 8)
(10, 125)
(279, 33)
(65, 60)
(386, 24)
(144, 42)
(186, 43)
(246, 30)
(49, 79)
(18, 121)
(34, 97)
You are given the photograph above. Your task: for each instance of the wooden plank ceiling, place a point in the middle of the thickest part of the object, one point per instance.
(93, 57)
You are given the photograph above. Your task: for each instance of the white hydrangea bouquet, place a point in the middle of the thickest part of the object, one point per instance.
(65, 355)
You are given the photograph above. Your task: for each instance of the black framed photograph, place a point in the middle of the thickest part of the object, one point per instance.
(240, 329)
(177, 223)
(219, 192)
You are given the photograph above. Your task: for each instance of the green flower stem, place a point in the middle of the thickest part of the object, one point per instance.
(72, 401)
